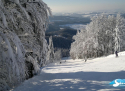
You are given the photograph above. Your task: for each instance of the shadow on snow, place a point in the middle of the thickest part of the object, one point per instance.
(79, 81)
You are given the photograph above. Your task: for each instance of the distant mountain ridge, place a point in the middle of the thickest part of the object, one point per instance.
(62, 38)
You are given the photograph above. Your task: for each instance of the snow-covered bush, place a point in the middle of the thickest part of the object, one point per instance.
(22, 30)
(103, 36)
(57, 55)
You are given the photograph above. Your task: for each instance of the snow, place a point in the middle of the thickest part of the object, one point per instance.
(4, 20)
(77, 75)
(75, 26)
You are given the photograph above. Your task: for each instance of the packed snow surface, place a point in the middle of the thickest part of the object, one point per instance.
(78, 75)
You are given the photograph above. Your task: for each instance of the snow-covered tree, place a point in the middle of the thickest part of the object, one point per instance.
(117, 40)
(119, 32)
(22, 30)
(103, 36)
(50, 55)
(57, 55)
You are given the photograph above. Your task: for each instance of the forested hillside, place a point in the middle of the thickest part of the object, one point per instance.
(62, 39)
(62, 36)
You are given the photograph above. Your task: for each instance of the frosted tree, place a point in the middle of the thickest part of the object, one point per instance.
(76, 47)
(22, 31)
(117, 40)
(103, 36)
(50, 55)
(57, 55)
(119, 32)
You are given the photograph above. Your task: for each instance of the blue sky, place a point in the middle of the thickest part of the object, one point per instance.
(84, 5)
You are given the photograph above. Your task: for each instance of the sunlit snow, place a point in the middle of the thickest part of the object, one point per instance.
(77, 75)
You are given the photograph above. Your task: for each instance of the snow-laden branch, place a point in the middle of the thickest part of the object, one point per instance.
(22, 31)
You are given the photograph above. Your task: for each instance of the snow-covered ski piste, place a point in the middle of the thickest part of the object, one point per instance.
(78, 75)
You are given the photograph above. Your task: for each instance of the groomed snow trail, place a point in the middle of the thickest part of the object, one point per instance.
(77, 75)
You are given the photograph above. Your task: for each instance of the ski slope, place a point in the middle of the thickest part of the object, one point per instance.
(77, 75)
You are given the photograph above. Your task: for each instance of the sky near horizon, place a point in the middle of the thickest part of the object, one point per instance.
(70, 6)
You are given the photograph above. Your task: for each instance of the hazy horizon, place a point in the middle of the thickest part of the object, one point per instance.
(73, 6)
